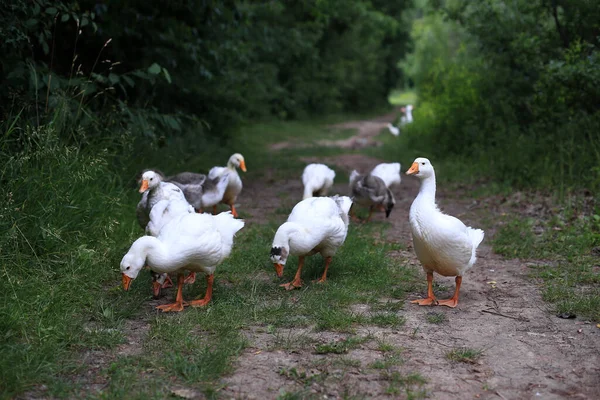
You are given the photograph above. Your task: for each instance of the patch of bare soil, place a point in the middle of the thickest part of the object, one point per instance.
(528, 353)
(367, 130)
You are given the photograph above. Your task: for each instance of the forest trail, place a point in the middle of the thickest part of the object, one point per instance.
(527, 352)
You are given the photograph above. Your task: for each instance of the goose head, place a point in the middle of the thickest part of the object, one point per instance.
(131, 265)
(421, 168)
(237, 160)
(279, 258)
(150, 180)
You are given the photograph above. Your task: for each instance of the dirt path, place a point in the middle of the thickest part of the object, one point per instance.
(528, 353)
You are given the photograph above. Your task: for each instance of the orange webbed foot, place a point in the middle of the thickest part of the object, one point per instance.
(174, 307)
(191, 278)
(295, 284)
(199, 303)
(448, 303)
(320, 280)
(429, 301)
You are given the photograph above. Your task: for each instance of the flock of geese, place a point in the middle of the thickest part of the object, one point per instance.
(181, 237)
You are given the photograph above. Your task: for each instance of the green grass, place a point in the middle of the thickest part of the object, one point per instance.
(402, 97)
(436, 317)
(464, 355)
(565, 245)
(68, 216)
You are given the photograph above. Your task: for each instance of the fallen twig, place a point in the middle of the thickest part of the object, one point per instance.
(506, 316)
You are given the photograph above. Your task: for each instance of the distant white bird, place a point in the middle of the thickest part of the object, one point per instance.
(317, 179)
(393, 130)
(389, 173)
(407, 118)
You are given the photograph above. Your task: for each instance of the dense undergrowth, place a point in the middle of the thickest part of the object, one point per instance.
(508, 90)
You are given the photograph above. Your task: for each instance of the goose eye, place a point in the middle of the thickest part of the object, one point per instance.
(127, 269)
(422, 163)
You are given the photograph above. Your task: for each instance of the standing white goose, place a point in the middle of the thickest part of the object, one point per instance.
(194, 242)
(317, 179)
(315, 225)
(389, 173)
(443, 243)
(234, 187)
(407, 118)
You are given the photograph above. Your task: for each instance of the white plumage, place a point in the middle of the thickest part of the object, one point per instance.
(443, 243)
(194, 242)
(315, 225)
(317, 179)
(393, 130)
(389, 173)
(234, 186)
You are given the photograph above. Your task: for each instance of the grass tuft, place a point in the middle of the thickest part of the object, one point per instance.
(464, 355)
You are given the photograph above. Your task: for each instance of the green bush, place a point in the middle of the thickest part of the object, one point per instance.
(511, 88)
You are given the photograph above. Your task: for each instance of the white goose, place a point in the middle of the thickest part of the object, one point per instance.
(393, 129)
(154, 190)
(407, 118)
(315, 225)
(317, 179)
(194, 242)
(443, 243)
(234, 187)
(389, 173)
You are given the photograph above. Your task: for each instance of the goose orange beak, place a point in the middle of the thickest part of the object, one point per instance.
(144, 186)
(243, 165)
(414, 168)
(278, 270)
(126, 282)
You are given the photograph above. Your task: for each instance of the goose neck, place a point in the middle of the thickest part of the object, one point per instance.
(427, 190)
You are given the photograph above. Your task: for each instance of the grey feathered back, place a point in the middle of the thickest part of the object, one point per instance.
(371, 190)
(194, 185)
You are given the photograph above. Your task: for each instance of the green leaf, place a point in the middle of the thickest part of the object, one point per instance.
(51, 10)
(113, 78)
(84, 22)
(129, 81)
(167, 75)
(64, 18)
(154, 69)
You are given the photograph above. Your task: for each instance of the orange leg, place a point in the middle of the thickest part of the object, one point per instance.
(233, 212)
(215, 209)
(324, 277)
(430, 300)
(168, 282)
(191, 278)
(453, 301)
(179, 303)
(297, 282)
(200, 211)
(209, 284)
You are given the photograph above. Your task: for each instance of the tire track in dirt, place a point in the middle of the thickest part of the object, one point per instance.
(528, 353)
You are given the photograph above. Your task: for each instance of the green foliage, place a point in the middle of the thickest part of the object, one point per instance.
(509, 87)
(157, 67)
